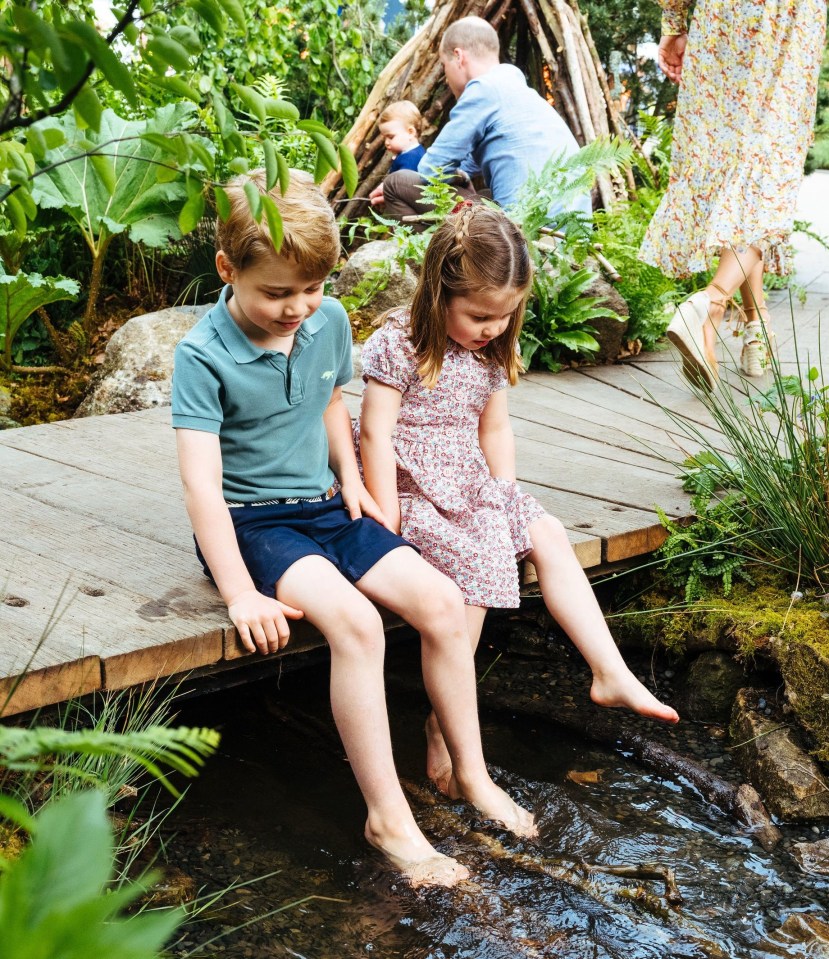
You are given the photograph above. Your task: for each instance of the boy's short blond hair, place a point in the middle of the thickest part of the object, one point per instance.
(472, 34)
(311, 237)
(406, 111)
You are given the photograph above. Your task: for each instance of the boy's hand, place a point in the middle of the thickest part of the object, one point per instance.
(261, 621)
(359, 502)
(376, 196)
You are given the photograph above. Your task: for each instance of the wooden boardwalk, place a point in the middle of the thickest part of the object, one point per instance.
(100, 586)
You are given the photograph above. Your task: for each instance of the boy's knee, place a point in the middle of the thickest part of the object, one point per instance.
(360, 628)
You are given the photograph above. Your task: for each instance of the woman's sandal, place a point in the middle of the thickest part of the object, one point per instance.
(685, 331)
(757, 342)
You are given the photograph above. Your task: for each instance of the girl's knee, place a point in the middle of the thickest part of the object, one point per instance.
(549, 531)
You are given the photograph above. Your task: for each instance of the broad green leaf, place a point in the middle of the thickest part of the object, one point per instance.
(281, 109)
(139, 203)
(175, 85)
(274, 218)
(99, 51)
(314, 126)
(170, 51)
(236, 12)
(187, 37)
(105, 168)
(321, 167)
(36, 142)
(14, 211)
(23, 293)
(88, 108)
(211, 12)
(271, 164)
(222, 202)
(40, 35)
(284, 173)
(326, 149)
(254, 199)
(253, 100)
(191, 213)
(54, 137)
(238, 165)
(348, 166)
(224, 118)
(576, 340)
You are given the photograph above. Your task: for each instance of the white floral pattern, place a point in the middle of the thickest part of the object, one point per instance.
(743, 125)
(466, 523)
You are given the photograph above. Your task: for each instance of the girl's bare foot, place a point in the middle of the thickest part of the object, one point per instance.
(623, 689)
(493, 803)
(408, 850)
(438, 760)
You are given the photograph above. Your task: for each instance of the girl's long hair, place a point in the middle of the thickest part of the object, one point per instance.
(476, 250)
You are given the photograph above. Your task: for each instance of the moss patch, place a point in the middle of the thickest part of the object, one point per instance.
(758, 623)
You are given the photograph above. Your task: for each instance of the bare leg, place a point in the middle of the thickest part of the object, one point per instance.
(354, 632)
(734, 270)
(569, 598)
(438, 760)
(432, 604)
(753, 295)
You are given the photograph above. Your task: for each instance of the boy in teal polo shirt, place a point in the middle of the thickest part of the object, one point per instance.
(264, 439)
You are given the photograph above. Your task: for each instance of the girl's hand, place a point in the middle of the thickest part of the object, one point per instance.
(359, 502)
(261, 621)
(671, 54)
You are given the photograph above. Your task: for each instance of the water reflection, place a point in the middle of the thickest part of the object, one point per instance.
(281, 797)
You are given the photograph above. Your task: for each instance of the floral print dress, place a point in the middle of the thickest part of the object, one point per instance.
(742, 129)
(466, 523)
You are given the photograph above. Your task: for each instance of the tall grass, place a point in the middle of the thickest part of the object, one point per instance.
(774, 475)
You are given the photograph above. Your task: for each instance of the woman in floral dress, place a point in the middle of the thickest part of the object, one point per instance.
(748, 75)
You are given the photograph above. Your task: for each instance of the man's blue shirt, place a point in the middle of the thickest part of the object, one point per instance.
(503, 129)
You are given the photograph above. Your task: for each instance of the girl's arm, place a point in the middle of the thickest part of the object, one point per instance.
(343, 462)
(259, 620)
(496, 437)
(378, 418)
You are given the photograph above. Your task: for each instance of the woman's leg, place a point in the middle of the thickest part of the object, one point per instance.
(354, 631)
(406, 584)
(733, 271)
(438, 760)
(569, 597)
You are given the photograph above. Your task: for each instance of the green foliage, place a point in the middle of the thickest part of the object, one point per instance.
(818, 157)
(705, 552)
(56, 900)
(776, 465)
(20, 295)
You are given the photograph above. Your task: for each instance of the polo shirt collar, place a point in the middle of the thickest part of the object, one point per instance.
(239, 346)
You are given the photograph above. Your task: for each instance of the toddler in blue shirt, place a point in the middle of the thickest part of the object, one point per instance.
(400, 126)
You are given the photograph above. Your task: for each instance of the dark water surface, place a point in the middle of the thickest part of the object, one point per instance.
(280, 798)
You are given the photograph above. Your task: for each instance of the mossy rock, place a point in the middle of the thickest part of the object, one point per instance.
(804, 665)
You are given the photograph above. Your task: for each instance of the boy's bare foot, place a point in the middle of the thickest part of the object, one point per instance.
(493, 803)
(625, 690)
(438, 760)
(417, 861)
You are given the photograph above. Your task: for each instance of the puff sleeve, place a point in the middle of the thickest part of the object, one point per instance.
(675, 16)
(389, 358)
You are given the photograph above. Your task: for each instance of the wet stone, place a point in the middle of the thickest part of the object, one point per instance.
(812, 857)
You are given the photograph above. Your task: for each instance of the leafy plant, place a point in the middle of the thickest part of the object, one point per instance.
(706, 551)
(21, 294)
(56, 898)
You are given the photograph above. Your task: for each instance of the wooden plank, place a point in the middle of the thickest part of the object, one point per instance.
(624, 532)
(162, 634)
(49, 685)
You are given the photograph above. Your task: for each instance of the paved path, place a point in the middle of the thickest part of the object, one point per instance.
(101, 587)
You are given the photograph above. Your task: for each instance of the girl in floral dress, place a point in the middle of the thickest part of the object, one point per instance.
(748, 75)
(438, 451)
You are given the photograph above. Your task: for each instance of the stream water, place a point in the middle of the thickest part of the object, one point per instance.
(279, 802)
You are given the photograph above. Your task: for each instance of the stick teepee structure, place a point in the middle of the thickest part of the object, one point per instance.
(549, 40)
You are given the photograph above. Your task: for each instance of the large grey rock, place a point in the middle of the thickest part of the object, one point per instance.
(384, 285)
(775, 763)
(137, 370)
(5, 401)
(610, 333)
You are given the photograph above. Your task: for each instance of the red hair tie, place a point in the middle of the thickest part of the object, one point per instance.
(460, 206)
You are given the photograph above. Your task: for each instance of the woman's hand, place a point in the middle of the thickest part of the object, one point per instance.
(671, 54)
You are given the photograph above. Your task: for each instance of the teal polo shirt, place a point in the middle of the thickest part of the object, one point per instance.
(265, 407)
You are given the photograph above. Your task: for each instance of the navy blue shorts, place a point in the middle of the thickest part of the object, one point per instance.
(272, 538)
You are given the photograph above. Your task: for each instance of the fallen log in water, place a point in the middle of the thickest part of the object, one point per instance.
(742, 803)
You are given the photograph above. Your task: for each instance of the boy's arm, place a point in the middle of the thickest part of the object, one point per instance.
(496, 437)
(260, 621)
(378, 418)
(343, 461)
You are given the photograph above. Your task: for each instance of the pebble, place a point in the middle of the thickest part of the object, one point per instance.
(669, 674)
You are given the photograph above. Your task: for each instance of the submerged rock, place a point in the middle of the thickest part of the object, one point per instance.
(800, 935)
(772, 758)
(138, 366)
(812, 857)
